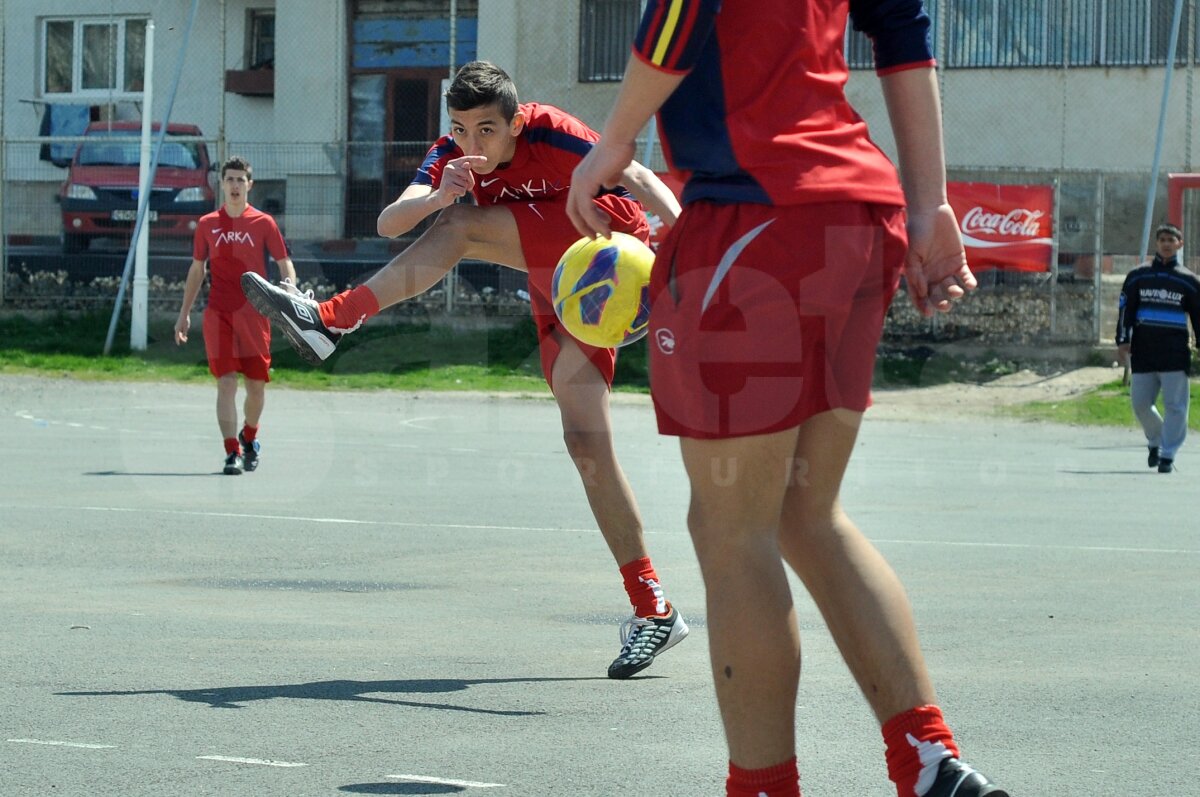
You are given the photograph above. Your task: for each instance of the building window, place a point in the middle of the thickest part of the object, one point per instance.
(1033, 33)
(260, 40)
(606, 32)
(990, 33)
(1138, 32)
(90, 56)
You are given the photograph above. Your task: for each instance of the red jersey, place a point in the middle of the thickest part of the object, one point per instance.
(549, 148)
(762, 115)
(233, 245)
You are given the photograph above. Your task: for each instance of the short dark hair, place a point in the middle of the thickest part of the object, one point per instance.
(480, 83)
(1168, 229)
(239, 163)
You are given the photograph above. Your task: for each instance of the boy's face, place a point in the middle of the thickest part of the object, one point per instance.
(1168, 245)
(235, 186)
(484, 131)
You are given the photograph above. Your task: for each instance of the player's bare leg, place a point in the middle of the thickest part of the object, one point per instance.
(460, 231)
(256, 396)
(738, 486)
(868, 614)
(227, 414)
(227, 420)
(859, 596)
(582, 396)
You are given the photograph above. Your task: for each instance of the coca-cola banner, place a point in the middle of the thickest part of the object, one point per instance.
(1005, 226)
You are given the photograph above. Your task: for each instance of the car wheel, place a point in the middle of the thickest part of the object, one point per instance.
(73, 244)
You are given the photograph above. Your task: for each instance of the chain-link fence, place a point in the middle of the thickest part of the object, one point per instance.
(336, 104)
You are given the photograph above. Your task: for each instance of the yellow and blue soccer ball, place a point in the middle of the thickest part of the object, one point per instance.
(601, 290)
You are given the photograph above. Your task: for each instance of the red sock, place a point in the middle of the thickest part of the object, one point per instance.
(781, 780)
(231, 446)
(645, 593)
(249, 433)
(917, 740)
(346, 311)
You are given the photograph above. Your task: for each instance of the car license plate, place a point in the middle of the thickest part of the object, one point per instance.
(131, 215)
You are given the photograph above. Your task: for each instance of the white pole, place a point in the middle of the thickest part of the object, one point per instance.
(137, 330)
(1162, 124)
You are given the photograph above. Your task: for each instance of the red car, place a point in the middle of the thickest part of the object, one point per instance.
(100, 195)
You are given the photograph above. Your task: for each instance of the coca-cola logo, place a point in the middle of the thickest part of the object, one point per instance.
(1018, 221)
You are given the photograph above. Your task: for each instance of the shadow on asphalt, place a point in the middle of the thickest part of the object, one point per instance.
(352, 691)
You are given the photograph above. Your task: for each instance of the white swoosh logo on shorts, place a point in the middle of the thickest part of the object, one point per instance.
(731, 254)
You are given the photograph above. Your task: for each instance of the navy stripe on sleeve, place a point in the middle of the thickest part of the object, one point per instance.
(898, 29)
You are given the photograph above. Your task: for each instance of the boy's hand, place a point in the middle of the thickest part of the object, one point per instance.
(181, 330)
(458, 178)
(935, 268)
(601, 168)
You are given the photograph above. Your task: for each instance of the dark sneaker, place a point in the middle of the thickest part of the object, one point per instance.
(233, 464)
(956, 779)
(1152, 459)
(1166, 465)
(249, 453)
(293, 312)
(643, 638)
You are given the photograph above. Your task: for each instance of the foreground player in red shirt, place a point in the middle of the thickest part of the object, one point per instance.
(515, 160)
(768, 301)
(234, 240)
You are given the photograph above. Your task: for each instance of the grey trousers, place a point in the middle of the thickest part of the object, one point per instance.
(1167, 431)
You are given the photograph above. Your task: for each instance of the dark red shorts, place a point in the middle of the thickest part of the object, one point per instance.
(764, 316)
(546, 232)
(238, 341)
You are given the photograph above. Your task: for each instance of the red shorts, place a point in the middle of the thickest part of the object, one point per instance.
(238, 341)
(763, 316)
(546, 232)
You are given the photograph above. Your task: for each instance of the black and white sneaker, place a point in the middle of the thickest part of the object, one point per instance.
(956, 779)
(249, 453)
(643, 638)
(233, 464)
(296, 313)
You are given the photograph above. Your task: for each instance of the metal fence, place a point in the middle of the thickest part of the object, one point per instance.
(1062, 92)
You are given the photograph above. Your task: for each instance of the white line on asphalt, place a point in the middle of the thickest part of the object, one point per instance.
(1032, 547)
(469, 784)
(63, 744)
(488, 527)
(263, 762)
(294, 519)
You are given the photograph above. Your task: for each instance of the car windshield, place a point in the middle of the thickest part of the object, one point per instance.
(123, 148)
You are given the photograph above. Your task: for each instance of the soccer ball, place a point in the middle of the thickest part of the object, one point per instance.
(601, 290)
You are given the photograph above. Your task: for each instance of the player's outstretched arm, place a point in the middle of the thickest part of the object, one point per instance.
(191, 289)
(643, 91)
(420, 201)
(287, 270)
(652, 192)
(936, 269)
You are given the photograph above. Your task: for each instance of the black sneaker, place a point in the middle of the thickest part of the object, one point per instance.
(956, 779)
(233, 464)
(1152, 460)
(295, 313)
(643, 638)
(1166, 465)
(249, 453)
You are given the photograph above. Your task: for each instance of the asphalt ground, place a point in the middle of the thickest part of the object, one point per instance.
(410, 597)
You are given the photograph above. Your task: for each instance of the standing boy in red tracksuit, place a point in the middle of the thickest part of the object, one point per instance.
(234, 240)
